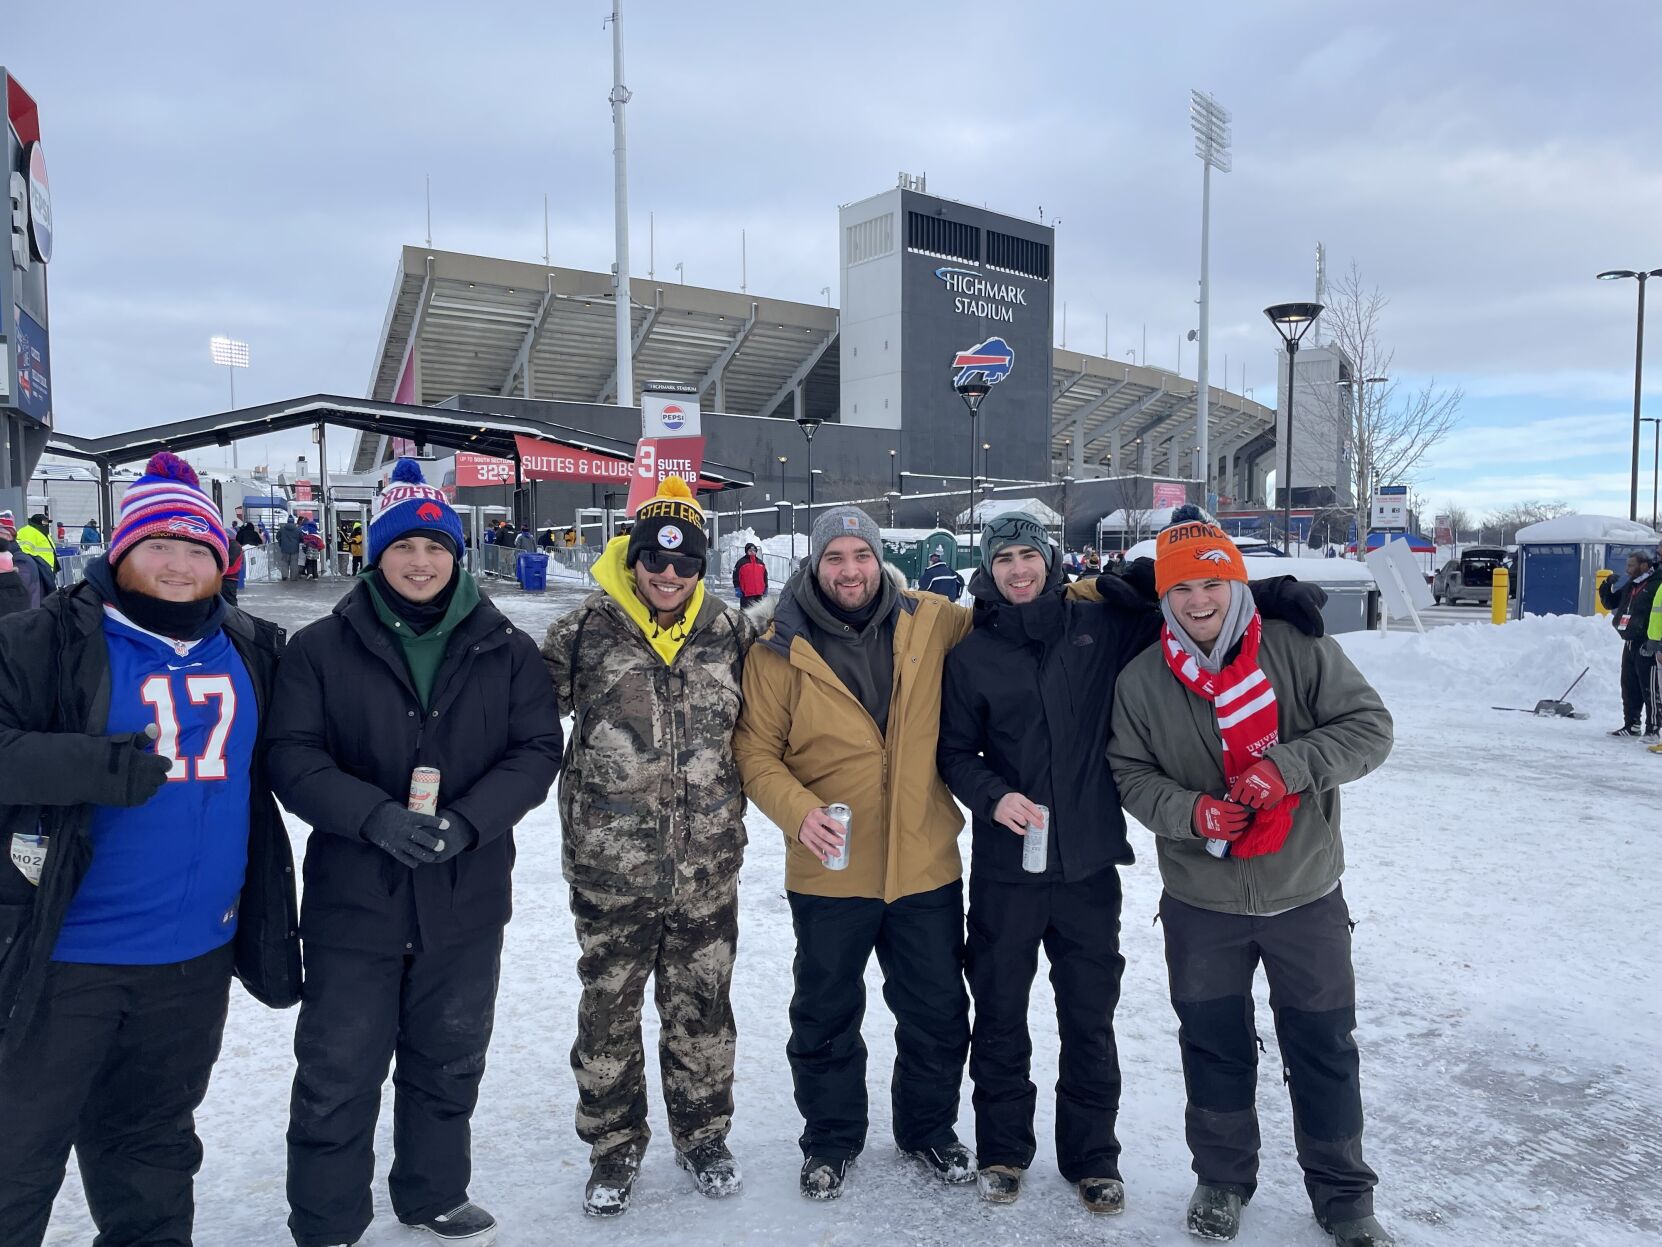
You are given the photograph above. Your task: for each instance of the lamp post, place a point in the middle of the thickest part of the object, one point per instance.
(1616, 274)
(1210, 122)
(1655, 460)
(1292, 321)
(809, 426)
(894, 471)
(780, 531)
(973, 389)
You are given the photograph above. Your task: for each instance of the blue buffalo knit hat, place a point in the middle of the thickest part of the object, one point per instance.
(409, 507)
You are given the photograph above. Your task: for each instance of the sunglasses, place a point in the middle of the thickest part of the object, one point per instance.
(659, 561)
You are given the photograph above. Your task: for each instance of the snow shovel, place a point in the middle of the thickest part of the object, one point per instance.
(1548, 708)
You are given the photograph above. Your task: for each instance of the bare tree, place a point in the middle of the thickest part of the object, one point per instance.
(1390, 428)
(1459, 520)
(1505, 521)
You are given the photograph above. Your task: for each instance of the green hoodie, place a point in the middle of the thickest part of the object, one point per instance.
(424, 653)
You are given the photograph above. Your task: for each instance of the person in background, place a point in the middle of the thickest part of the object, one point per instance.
(90, 536)
(1629, 598)
(404, 911)
(247, 534)
(149, 864)
(524, 541)
(654, 836)
(24, 579)
(571, 538)
(938, 578)
(545, 540)
(236, 574)
(1241, 732)
(1093, 562)
(750, 576)
(355, 548)
(288, 548)
(35, 538)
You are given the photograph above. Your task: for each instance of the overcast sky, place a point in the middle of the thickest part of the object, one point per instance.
(253, 170)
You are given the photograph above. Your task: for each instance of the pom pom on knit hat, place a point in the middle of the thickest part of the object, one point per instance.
(670, 520)
(1188, 513)
(409, 505)
(167, 501)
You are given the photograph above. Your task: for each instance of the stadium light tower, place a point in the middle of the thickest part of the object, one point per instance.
(1617, 274)
(1210, 123)
(229, 354)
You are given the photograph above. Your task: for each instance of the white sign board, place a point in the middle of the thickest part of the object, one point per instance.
(669, 415)
(1390, 509)
(1402, 584)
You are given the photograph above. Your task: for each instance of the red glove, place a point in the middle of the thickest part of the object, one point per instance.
(1221, 820)
(1259, 787)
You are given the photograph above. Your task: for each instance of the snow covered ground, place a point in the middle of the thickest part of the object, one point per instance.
(1503, 875)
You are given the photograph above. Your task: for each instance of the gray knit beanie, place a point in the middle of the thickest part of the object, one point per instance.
(1015, 528)
(842, 522)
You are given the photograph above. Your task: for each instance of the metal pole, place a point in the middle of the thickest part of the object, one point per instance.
(329, 551)
(232, 373)
(1287, 496)
(620, 164)
(810, 482)
(1638, 383)
(1203, 387)
(1655, 464)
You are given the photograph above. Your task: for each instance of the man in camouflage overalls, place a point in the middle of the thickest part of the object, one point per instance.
(653, 819)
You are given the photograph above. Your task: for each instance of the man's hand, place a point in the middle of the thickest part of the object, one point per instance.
(1016, 812)
(139, 772)
(1220, 820)
(1259, 787)
(410, 839)
(1282, 597)
(456, 834)
(821, 834)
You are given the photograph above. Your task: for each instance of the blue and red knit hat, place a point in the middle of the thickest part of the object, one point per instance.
(167, 501)
(408, 506)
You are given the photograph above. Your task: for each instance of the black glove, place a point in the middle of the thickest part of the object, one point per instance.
(1282, 597)
(1650, 649)
(136, 773)
(458, 837)
(409, 838)
(1134, 587)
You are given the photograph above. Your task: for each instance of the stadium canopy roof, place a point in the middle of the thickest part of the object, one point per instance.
(487, 434)
(465, 324)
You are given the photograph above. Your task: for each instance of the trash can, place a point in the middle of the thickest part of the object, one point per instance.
(531, 570)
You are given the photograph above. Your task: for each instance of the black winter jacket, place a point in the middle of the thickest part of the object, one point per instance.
(1630, 605)
(1025, 708)
(347, 729)
(54, 703)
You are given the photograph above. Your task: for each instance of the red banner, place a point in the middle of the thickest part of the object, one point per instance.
(553, 461)
(479, 471)
(659, 457)
(302, 491)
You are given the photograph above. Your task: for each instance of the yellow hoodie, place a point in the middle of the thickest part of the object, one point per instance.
(613, 575)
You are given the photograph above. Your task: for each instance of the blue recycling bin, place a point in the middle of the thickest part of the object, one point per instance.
(531, 570)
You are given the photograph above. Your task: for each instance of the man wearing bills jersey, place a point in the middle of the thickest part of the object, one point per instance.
(1231, 739)
(147, 864)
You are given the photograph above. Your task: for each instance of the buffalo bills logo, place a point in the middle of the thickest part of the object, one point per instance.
(430, 512)
(990, 360)
(188, 524)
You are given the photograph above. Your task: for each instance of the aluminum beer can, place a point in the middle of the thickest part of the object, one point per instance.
(1218, 848)
(424, 790)
(845, 816)
(1035, 845)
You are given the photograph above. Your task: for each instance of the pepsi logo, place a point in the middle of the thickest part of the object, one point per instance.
(432, 512)
(671, 537)
(674, 417)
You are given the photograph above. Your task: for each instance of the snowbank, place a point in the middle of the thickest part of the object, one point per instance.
(1587, 528)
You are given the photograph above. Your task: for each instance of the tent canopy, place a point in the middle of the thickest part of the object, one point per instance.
(1416, 543)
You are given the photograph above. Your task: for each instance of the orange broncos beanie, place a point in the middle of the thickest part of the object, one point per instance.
(1195, 551)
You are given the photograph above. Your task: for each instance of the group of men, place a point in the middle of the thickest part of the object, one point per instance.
(1636, 615)
(145, 727)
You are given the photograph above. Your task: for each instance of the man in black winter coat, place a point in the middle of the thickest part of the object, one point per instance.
(1628, 598)
(148, 864)
(404, 911)
(1025, 709)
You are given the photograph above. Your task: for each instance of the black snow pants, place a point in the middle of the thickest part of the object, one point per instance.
(919, 941)
(1638, 688)
(431, 1014)
(1078, 924)
(1211, 958)
(114, 1062)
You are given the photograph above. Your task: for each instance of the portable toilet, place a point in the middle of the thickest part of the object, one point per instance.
(1559, 560)
(909, 549)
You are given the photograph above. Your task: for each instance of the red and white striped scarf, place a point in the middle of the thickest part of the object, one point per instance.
(1248, 721)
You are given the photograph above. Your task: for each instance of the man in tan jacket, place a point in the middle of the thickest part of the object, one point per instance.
(842, 699)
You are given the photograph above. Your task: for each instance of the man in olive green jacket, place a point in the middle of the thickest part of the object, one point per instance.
(1230, 741)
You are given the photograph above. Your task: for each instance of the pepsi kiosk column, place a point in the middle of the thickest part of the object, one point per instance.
(26, 383)
(932, 288)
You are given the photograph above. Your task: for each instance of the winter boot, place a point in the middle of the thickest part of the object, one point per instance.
(951, 1162)
(1656, 748)
(823, 1178)
(1214, 1213)
(1104, 1196)
(1363, 1232)
(1631, 729)
(999, 1184)
(469, 1224)
(611, 1182)
(713, 1169)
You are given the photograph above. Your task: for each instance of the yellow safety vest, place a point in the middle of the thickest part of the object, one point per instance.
(32, 541)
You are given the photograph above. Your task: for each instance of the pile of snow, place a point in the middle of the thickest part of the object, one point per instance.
(991, 508)
(1583, 528)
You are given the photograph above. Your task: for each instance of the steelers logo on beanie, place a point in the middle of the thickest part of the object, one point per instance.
(671, 521)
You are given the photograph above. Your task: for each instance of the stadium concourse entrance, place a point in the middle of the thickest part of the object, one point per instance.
(485, 433)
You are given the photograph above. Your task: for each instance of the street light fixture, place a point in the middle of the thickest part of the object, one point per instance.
(973, 389)
(809, 426)
(1292, 321)
(1655, 461)
(894, 471)
(230, 355)
(1617, 274)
